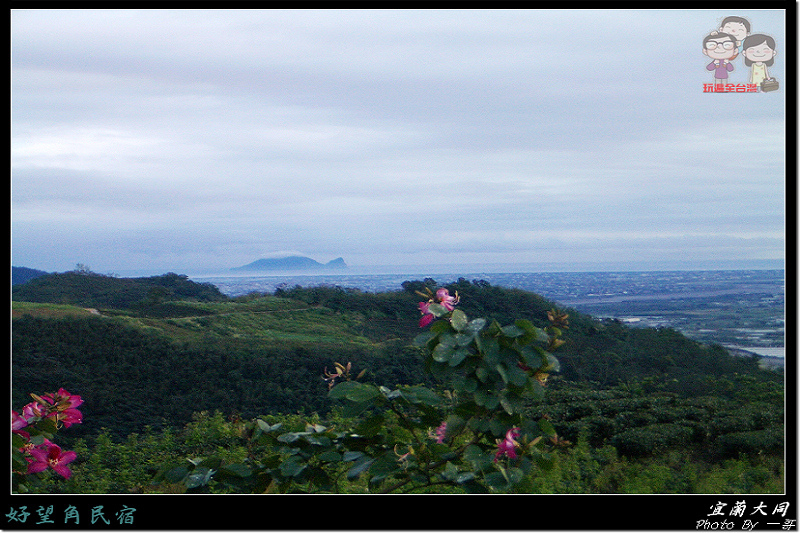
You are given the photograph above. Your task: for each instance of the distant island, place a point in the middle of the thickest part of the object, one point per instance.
(294, 262)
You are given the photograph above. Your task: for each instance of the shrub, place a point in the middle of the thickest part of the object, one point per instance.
(769, 441)
(648, 440)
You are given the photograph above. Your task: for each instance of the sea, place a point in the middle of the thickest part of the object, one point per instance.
(636, 297)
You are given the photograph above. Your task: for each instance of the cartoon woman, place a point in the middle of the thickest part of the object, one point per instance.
(759, 53)
(721, 48)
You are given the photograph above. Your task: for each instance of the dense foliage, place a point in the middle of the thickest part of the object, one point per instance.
(88, 289)
(625, 397)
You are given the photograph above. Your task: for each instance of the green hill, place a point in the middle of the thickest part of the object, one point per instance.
(87, 289)
(20, 275)
(642, 390)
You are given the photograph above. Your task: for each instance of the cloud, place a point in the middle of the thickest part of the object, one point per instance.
(155, 136)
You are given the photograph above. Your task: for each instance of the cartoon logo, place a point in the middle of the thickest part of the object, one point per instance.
(725, 45)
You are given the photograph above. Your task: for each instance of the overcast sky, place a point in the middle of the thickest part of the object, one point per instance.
(194, 141)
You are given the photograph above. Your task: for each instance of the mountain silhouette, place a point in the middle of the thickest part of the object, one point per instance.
(294, 262)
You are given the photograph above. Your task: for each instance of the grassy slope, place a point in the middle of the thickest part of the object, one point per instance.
(264, 319)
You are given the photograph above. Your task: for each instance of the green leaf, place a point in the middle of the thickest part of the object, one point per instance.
(459, 320)
(516, 376)
(533, 356)
(507, 407)
(354, 391)
(199, 477)
(361, 465)
(350, 456)
(292, 467)
(176, 475)
(384, 466)
(442, 353)
(476, 326)
(464, 339)
(438, 310)
(552, 365)
(330, 456)
(514, 475)
(458, 355)
(490, 349)
(486, 398)
(288, 438)
(265, 427)
(339, 392)
(496, 479)
(501, 369)
(234, 470)
(450, 472)
(532, 333)
(464, 477)
(421, 395)
(512, 331)
(363, 392)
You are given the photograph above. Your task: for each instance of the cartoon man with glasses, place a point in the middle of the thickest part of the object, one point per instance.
(721, 48)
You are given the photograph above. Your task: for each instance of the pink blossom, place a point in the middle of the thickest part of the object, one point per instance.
(63, 400)
(443, 295)
(69, 417)
(32, 410)
(50, 455)
(443, 298)
(427, 317)
(17, 422)
(508, 446)
(28, 446)
(440, 432)
(62, 406)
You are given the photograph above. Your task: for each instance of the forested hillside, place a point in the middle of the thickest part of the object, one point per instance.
(88, 289)
(163, 349)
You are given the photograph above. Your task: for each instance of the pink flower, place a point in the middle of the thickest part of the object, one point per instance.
(62, 406)
(17, 422)
(32, 410)
(440, 432)
(443, 298)
(446, 300)
(28, 446)
(508, 446)
(50, 455)
(64, 398)
(69, 417)
(427, 317)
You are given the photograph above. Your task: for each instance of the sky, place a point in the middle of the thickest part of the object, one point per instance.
(194, 141)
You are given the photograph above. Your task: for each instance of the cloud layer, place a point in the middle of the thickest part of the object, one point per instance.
(194, 140)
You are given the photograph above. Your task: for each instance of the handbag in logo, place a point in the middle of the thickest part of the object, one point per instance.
(770, 84)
